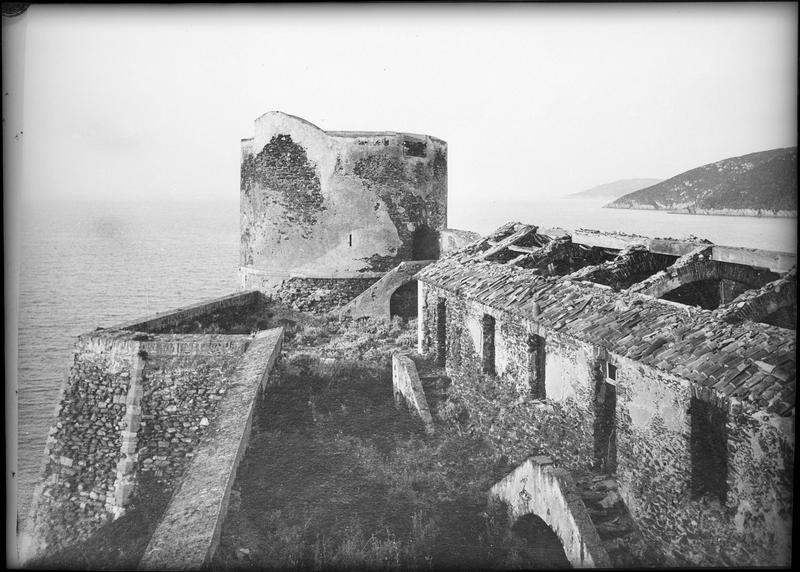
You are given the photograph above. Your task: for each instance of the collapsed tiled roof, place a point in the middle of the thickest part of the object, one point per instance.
(750, 362)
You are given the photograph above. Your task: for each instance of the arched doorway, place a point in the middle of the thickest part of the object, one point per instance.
(403, 302)
(541, 545)
(425, 244)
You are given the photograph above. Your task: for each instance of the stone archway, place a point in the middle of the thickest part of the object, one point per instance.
(542, 544)
(705, 283)
(774, 304)
(403, 301)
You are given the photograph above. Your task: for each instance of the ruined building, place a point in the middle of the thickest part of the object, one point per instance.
(670, 364)
(325, 214)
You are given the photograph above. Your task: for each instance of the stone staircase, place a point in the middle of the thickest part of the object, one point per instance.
(617, 529)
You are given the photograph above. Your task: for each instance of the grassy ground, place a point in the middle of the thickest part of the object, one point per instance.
(337, 478)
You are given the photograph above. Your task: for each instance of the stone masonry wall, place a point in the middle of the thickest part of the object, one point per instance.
(83, 447)
(407, 387)
(133, 403)
(761, 482)
(537, 487)
(180, 396)
(337, 204)
(503, 406)
(653, 434)
(308, 294)
(167, 321)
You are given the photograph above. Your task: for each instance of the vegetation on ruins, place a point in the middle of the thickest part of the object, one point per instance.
(337, 477)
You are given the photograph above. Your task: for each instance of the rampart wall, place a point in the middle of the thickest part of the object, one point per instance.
(134, 407)
(166, 321)
(77, 489)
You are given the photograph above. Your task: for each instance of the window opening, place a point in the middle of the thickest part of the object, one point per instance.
(441, 332)
(536, 366)
(403, 301)
(488, 324)
(605, 426)
(709, 452)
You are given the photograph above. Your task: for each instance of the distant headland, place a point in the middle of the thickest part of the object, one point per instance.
(757, 184)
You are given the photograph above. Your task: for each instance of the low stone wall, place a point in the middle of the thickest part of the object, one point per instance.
(308, 294)
(536, 487)
(188, 533)
(406, 383)
(157, 323)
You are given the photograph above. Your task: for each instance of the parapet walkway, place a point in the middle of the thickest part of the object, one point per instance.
(188, 534)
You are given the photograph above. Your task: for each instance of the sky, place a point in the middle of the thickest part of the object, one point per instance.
(149, 103)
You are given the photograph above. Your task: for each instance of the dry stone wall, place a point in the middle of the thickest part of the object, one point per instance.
(77, 486)
(180, 396)
(134, 405)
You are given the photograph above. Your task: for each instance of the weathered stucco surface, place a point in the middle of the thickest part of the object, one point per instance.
(337, 204)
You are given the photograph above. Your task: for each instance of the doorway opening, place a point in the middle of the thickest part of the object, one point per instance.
(605, 419)
(441, 332)
(536, 366)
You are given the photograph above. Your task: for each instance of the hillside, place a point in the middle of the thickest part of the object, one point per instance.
(614, 190)
(757, 184)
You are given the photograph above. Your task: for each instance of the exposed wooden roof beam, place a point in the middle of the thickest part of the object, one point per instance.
(525, 249)
(518, 259)
(524, 231)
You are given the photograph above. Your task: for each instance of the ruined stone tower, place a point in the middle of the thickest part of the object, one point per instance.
(324, 214)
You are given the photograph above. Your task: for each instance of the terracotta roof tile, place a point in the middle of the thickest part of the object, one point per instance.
(680, 341)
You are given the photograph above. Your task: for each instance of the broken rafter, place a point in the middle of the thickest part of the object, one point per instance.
(525, 249)
(516, 260)
(524, 231)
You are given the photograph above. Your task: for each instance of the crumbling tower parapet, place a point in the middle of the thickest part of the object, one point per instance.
(326, 214)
